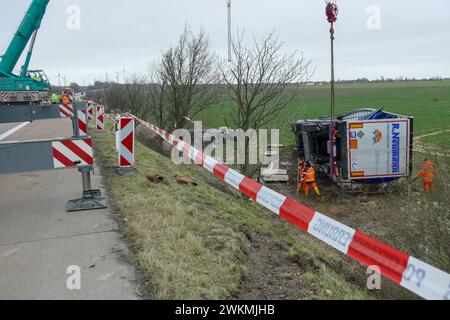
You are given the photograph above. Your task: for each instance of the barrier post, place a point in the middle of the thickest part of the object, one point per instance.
(126, 146)
(100, 119)
(91, 199)
(117, 131)
(90, 110)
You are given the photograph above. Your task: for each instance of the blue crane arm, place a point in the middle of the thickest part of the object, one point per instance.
(29, 25)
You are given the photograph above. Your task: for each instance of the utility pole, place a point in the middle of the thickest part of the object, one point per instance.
(59, 78)
(229, 30)
(332, 13)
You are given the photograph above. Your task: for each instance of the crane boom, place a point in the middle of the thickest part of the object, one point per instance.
(31, 22)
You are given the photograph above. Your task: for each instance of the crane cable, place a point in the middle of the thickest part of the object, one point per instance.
(332, 13)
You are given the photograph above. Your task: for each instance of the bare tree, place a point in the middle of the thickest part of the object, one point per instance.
(136, 96)
(114, 98)
(189, 72)
(157, 95)
(262, 81)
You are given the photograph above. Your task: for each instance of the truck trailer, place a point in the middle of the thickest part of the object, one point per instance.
(371, 146)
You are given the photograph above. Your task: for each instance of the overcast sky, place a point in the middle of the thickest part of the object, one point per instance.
(410, 39)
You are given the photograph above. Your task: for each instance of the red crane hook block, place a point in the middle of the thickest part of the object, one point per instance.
(332, 12)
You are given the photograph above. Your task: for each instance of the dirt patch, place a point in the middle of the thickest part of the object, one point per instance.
(272, 274)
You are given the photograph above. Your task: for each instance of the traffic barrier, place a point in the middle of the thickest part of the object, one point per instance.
(66, 110)
(72, 153)
(90, 110)
(82, 122)
(126, 146)
(100, 118)
(405, 270)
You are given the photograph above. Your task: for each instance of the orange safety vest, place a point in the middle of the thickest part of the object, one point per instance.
(65, 100)
(310, 176)
(427, 172)
(301, 170)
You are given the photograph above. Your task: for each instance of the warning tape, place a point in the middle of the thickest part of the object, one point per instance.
(407, 271)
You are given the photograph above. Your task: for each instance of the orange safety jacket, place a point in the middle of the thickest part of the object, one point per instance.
(301, 171)
(310, 176)
(427, 172)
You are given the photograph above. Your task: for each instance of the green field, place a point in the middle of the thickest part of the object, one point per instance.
(428, 102)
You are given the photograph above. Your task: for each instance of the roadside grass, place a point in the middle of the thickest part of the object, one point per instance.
(193, 242)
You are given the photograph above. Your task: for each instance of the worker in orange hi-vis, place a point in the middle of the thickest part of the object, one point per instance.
(427, 173)
(301, 175)
(310, 180)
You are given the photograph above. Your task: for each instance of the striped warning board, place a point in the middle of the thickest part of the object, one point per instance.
(66, 110)
(100, 118)
(82, 122)
(90, 110)
(126, 142)
(72, 153)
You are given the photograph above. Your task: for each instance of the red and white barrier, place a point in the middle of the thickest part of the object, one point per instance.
(66, 110)
(72, 153)
(126, 142)
(407, 271)
(100, 118)
(90, 110)
(82, 123)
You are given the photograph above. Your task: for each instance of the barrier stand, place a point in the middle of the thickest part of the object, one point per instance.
(91, 199)
(126, 146)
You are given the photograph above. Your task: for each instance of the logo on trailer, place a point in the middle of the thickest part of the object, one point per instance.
(377, 136)
(395, 148)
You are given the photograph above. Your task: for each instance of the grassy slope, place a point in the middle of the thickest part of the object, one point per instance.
(412, 98)
(190, 241)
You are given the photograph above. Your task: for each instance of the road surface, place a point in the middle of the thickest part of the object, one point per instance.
(42, 247)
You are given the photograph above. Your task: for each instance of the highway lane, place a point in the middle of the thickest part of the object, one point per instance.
(7, 129)
(40, 242)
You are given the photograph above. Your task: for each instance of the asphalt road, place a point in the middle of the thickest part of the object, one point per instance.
(42, 247)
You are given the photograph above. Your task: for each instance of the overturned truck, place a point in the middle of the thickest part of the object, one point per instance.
(371, 146)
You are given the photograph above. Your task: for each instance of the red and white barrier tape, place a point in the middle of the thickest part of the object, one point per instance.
(407, 271)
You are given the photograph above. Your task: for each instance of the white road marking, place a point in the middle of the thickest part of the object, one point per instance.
(13, 130)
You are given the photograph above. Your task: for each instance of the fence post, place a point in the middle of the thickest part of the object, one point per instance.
(126, 146)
